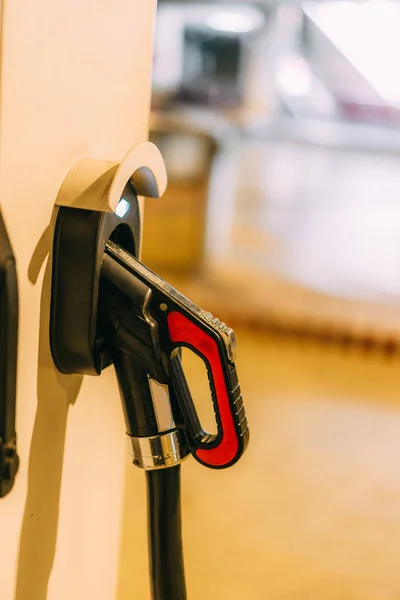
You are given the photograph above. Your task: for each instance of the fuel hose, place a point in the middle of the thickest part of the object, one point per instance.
(167, 576)
(165, 534)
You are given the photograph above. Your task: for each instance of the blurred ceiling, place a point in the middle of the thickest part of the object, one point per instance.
(261, 2)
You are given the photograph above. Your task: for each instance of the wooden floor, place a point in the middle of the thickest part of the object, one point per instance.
(312, 512)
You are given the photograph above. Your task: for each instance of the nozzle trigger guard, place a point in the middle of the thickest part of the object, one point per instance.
(225, 448)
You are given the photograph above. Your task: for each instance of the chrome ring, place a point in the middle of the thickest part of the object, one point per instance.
(159, 451)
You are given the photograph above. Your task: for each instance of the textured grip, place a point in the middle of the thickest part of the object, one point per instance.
(228, 405)
(237, 403)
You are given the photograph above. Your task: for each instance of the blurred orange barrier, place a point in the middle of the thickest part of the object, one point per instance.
(174, 228)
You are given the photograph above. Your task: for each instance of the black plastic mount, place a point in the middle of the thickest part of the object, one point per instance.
(8, 362)
(80, 238)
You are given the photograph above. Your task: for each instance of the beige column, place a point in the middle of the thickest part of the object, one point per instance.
(74, 83)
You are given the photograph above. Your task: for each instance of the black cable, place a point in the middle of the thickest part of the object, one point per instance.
(165, 534)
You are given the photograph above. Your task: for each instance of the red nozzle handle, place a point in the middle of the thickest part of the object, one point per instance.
(226, 448)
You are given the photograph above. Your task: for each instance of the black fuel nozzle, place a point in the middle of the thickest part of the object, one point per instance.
(152, 415)
(146, 322)
(9, 460)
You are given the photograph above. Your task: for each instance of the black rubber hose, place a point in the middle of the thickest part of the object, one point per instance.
(165, 534)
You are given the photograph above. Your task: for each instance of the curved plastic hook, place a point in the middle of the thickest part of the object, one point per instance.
(95, 184)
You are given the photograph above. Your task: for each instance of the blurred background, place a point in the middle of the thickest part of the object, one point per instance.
(280, 126)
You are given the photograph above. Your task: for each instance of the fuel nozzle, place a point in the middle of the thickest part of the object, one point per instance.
(152, 415)
(149, 321)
